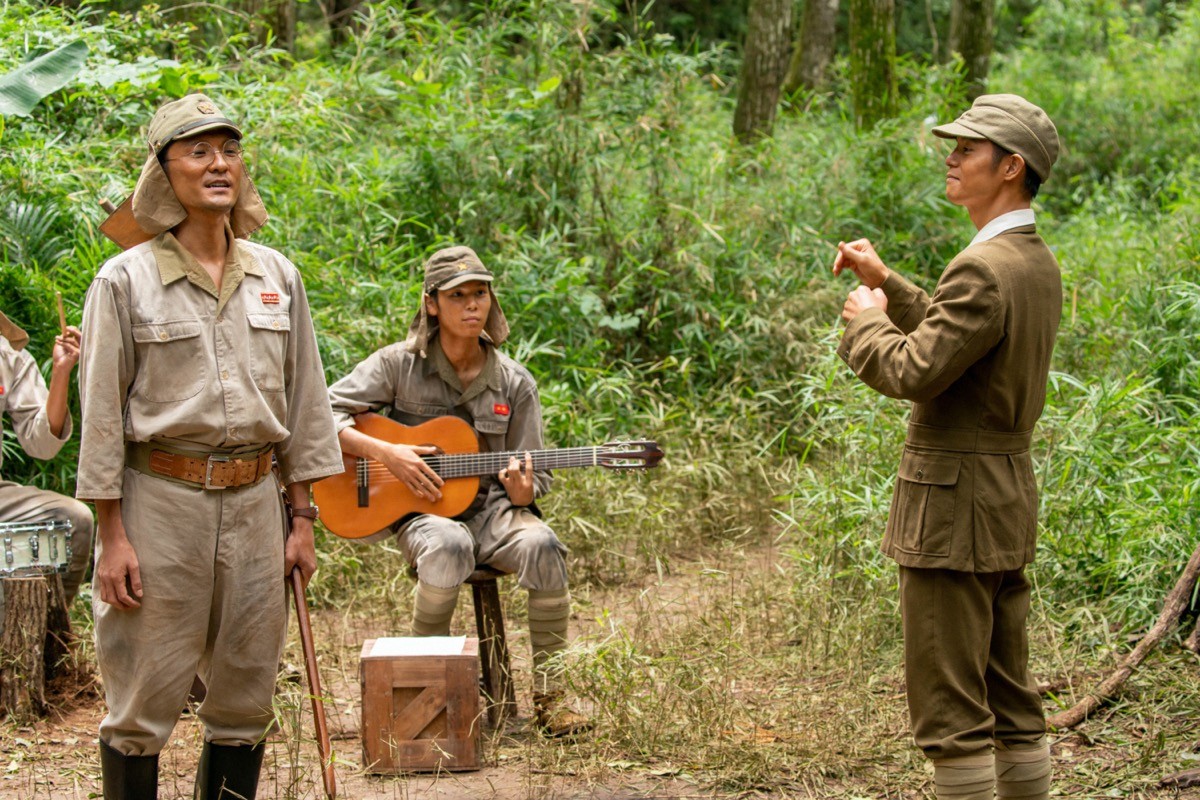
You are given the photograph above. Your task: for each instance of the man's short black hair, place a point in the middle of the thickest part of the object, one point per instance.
(1032, 182)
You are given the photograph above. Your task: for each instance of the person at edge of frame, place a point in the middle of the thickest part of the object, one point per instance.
(974, 360)
(451, 364)
(199, 365)
(42, 422)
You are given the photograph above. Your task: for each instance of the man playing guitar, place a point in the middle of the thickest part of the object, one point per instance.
(450, 364)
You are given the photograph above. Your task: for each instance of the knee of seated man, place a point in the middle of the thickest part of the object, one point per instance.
(80, 518)
(451, 551)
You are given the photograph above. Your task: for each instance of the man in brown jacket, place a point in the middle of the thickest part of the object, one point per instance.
(974, 359)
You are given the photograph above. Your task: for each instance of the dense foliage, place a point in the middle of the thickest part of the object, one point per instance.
(662, 280)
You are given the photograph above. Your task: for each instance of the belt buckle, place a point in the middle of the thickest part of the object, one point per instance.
(208, 484)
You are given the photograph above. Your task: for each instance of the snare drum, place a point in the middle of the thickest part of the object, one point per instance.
(34, 548)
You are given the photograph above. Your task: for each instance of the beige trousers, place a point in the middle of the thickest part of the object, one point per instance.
(213, 604)
(513, 540)
(29, 504)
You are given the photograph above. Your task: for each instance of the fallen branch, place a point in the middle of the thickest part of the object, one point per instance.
(1181, 780)
(1193, 641)
(1173, 607)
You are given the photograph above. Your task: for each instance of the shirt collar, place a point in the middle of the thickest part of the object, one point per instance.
(175, 261)
(489, 376)
(1005, 222)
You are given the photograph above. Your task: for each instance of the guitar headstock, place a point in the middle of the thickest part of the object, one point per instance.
(636, 454)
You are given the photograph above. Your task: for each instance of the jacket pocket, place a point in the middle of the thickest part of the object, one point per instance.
(268, 348)
(922, 520)
(170, 358)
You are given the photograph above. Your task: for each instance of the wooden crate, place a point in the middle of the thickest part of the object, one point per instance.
(420, 712)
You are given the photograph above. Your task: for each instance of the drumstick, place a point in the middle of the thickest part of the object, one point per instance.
(62, 318)
(314, 684)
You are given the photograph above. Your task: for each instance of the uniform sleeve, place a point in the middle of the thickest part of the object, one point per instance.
(963, 322)
(311, 451)
(26, 404)
(105, 372)
(525, 430)
(907, 302)
(369, 386)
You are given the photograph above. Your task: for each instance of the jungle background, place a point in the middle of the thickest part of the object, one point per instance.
(661, 190)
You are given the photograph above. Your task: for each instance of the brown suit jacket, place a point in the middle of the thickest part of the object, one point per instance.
(974, 360)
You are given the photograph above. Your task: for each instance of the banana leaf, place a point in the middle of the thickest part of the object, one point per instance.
(25, 86)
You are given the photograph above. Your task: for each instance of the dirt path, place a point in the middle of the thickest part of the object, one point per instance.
(57, 757)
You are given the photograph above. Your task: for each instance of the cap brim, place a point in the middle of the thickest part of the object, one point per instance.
(466, 277)
(953, 130)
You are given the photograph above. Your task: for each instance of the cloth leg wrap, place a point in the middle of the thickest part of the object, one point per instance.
(965, 777)
(548, 614)
(433, 609)
(1023, 774)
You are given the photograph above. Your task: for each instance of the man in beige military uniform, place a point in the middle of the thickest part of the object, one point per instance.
(451, 365)
(199, 364)
(42, 423)
(974, 359)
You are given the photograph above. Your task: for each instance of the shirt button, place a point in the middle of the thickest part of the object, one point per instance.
(220, 318)
(224, 376)
(920, 474)
(233, 431)
(162, 335)
(275, 324)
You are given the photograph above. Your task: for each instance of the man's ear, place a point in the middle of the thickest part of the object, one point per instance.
(1013, 170)
(430, 304)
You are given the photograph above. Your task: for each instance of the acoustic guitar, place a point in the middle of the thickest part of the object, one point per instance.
(367, 497)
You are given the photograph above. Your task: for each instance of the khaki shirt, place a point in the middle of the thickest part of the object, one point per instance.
(23, 395)
(974, 359)
(501, 403)
(167, 357)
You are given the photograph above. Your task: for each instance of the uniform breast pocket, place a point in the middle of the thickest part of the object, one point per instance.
(268, 348)
(922, 521)
(492, 427)
(171, 364)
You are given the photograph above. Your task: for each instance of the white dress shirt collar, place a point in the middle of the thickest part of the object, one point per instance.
(1005, 222)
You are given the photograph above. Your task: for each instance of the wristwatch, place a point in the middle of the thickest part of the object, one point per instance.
(312, 512)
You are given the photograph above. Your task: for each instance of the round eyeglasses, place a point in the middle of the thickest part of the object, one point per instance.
(204, 153)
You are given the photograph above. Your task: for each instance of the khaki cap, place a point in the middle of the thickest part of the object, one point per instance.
(454, 266)
(1012, 122)
(189, 116)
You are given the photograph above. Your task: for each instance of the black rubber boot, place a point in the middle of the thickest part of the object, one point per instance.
(229, 772)
(128, 777)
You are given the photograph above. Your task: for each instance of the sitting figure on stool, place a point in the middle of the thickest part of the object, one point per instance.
(42, 423)
(450, 365)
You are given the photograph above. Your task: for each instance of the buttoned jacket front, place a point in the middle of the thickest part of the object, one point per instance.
(974, 359)
(169, 358)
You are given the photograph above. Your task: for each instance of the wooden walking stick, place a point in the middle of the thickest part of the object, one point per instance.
(314, 684)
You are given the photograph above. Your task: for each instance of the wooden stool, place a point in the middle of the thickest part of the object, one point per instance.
(493, 646)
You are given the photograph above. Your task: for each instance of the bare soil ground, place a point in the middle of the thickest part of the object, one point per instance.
(56, 757)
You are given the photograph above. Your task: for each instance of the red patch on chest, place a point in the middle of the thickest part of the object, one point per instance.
(502, 409)
(270, 298)
(1, 390)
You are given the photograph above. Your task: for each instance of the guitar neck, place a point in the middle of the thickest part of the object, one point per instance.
(462, 465)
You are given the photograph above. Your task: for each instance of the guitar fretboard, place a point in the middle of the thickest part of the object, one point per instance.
(461, 465)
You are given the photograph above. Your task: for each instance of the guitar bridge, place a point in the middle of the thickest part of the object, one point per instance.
(362, 480)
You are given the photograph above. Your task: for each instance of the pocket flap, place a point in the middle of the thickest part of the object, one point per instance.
(147, 332)
(492, 426)
(270, 321)
(939, 469)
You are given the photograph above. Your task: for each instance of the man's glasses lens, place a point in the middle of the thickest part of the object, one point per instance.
(231, 151)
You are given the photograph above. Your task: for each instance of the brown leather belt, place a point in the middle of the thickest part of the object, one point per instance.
(210, 470)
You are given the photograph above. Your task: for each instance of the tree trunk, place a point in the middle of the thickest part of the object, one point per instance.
(22, 648)
(279, 16)
(768, 39)
(814, 47)
(873, 60)
(341, 20)
(971, 24)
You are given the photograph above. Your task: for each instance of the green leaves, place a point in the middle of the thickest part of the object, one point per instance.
(25, 86)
